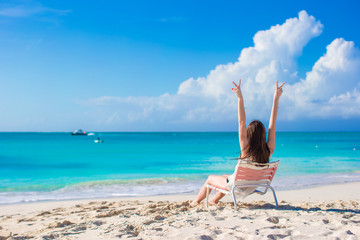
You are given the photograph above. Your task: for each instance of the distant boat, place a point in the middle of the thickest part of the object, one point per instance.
(91, 134)
(98, 140)
(78, 132)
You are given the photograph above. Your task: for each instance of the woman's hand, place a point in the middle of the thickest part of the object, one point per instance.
(273, 117)
(237, 89)
(278, 90)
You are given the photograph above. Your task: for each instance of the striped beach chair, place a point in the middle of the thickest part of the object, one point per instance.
(250, 177)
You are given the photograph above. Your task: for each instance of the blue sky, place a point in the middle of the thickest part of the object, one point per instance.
(164, 65)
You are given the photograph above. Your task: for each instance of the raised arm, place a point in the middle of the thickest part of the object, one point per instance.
(272, 123)
(241, 118)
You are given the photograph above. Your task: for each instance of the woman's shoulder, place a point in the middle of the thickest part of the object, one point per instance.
(245, 159)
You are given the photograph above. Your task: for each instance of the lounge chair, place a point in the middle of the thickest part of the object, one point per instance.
(249, 178)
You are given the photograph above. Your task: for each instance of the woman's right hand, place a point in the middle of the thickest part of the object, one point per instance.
(278, 90)
(237, 89)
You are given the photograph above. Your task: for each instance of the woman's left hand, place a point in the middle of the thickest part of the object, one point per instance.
(278, 90)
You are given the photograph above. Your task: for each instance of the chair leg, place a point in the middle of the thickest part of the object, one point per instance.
(234, 198)
(276, 202)
(207, 196)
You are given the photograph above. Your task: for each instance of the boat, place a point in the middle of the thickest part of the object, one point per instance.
(98, 140)
(78, 132)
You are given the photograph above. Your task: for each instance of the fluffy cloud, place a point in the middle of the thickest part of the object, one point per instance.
(334, 78)
(330, 89)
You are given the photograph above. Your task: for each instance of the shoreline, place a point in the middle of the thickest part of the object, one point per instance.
(331, 192)
(281, 189)
(287, 194)
(319, 213)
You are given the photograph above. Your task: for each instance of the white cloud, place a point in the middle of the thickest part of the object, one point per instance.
(346, 104)
(330, 89)
(29, 9)
(333, 76)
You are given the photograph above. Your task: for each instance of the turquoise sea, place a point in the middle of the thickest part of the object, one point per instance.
(59, 166)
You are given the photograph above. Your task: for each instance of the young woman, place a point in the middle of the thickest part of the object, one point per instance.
(253, 144)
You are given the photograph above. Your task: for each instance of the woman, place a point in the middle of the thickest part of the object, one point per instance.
(253, 144)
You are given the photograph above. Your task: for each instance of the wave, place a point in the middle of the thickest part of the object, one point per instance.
(82, 183)
(143, 181)
(159, 186)
(314, 180)
(105, 189)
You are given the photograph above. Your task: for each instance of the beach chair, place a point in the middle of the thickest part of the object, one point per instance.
(250, 177)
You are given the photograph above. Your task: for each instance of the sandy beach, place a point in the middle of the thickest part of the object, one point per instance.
(326, 212)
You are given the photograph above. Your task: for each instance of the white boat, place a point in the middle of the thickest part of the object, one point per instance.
(78, 132)
(98, 140)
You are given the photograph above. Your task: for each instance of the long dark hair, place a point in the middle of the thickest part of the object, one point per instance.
(257, 148)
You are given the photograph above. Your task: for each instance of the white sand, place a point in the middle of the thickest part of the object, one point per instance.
(328, 212)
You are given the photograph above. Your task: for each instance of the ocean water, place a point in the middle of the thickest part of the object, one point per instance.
(59, 166)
